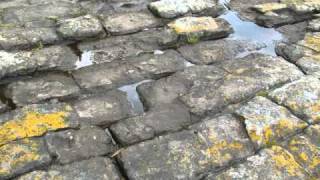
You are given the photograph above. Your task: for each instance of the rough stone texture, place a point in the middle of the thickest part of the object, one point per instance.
(285, 12)
(184, 155)
(268, 123)
(23, 38)
(174, 8)
(22, 156)
(40, 88)
(103, 109)
(274, 163)
(92, 169)
(80, 28)
(75, 145)
(194, 29)
(305, 149)
(52, 58)
(36, 120)
(314, 25)
(244, 78)
(134, 44)
(218, 51)
(112, 75)
(302, 97)
(131, 22)
(40, 15)
(169, 118)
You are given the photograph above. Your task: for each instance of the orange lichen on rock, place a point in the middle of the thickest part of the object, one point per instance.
(32, 124)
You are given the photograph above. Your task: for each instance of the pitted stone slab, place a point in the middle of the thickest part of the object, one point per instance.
(302, 97)
(44, 14)
(211, 144)
(169, 118)
(218, 51)
(74, 145)
(268, 123)
(145, 41)
(36, 120)
(40, 88)
(103, 109)
(22, 156)
(174, 8)
(24, 38)
(245, 77)
(305, 149)
(194, 29)
(165, 91)
(59, 58)
(131, 22)
(115, 74)
(92, 169)
(80, 28)
(272, 164)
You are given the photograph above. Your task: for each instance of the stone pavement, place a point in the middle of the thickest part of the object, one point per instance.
(159, 90)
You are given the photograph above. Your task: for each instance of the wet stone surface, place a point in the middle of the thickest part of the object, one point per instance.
(159, 89)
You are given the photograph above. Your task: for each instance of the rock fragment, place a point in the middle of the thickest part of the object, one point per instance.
(74, 145)
(58, 58)
(103, 109)
(268, 123)
(40, 88)
(79, 28)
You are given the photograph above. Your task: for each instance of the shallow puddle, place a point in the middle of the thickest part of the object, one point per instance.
(85, 60)
(246, 30)
(133, 97)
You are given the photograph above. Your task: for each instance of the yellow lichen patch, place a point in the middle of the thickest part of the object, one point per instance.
(220, 151)
(307, 153)
(315, 110)
(312, 41)
(267, 7)
(285, 161)
(32, 124)
(303, 156)
(193, 24)
(15, 155)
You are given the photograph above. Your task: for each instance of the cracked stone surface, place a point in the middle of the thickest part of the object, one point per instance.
(74, 145)
(268, 123)
(102, 109)
(159, 89)
(206, 145)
